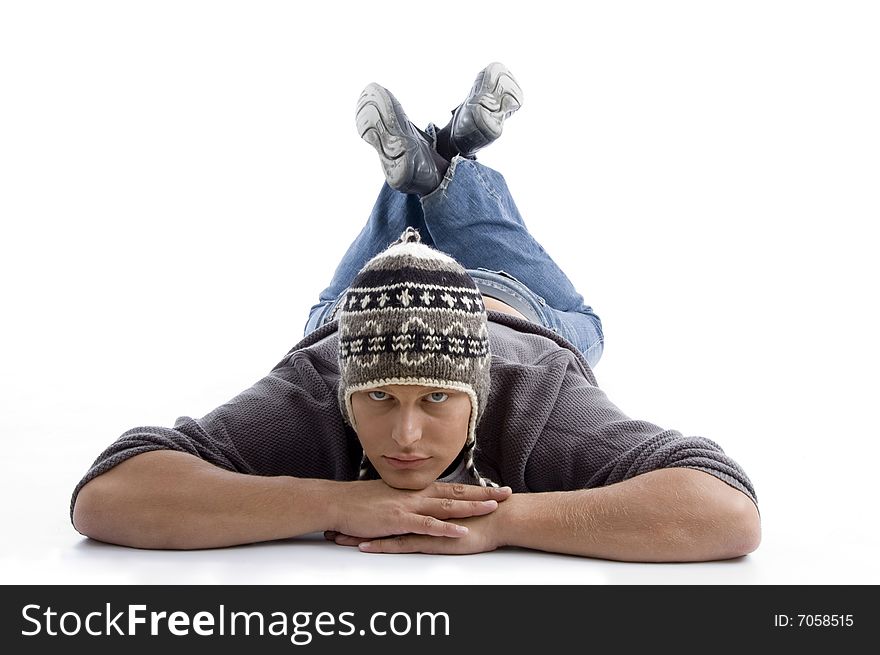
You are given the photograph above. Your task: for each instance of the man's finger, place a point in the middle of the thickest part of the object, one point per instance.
(459, 491)
(449, 508)
(408, 543)
(434, 527)
(348, 540)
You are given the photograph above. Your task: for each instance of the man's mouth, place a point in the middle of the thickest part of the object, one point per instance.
(405, 461)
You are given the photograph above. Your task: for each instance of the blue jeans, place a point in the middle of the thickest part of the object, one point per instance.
(472, 217)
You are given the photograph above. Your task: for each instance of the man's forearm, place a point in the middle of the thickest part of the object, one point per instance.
(669, 515)
(168, 499)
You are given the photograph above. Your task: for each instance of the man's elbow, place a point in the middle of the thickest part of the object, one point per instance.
(97, 515)
(744, 528)
(87, 514)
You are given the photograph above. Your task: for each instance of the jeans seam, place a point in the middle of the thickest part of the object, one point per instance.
(332, 308)
(485, 184)
(588, 351)
(598, 343)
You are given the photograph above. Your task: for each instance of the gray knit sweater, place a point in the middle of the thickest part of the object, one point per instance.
(547, 425)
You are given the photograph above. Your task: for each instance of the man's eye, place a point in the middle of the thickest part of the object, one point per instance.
(378, 395)
(438, 397)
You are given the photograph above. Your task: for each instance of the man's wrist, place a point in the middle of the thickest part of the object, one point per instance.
(516, 518)
(331, 497)
(320, 502)
(504, 519)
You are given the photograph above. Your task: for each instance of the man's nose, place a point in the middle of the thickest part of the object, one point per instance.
(407, 428)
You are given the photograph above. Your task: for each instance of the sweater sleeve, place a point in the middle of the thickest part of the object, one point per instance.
(588, 442)
(288, 423)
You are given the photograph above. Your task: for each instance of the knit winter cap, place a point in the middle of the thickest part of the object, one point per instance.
(413, 315)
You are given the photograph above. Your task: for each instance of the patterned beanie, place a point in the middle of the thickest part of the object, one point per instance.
(413, 315)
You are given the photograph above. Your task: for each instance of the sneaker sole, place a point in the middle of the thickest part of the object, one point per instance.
(494, 97)
(380, 125)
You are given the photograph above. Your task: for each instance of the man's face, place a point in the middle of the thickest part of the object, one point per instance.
(410, 433)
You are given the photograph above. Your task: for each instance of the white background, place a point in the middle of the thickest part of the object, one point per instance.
(179, 179)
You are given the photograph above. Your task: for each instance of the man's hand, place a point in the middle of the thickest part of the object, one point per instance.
(370, 509)
(479, 539)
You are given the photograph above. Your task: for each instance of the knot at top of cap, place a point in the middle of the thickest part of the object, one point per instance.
(410, 235)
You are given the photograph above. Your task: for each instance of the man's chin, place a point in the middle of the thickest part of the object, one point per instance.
(407, 480)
